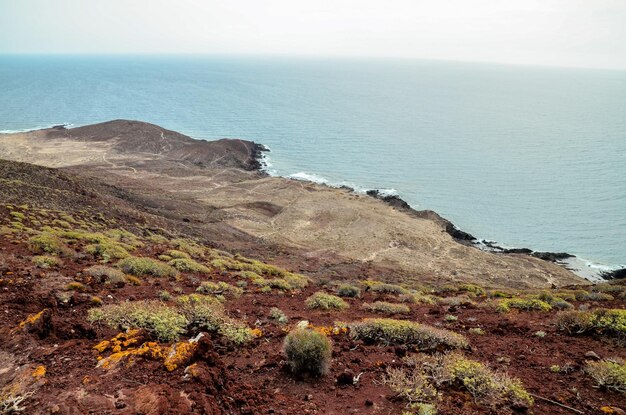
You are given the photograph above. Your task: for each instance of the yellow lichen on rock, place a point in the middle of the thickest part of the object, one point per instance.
(180, 353)
(31, 319)
(39, 372)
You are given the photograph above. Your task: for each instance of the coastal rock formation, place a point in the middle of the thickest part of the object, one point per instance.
(217, 184)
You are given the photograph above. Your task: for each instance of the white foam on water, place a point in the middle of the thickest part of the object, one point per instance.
(25, 130)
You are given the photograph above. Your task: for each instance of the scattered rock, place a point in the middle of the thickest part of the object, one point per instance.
(592, 355)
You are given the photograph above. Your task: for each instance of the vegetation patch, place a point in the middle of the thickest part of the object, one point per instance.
(609, 375)
(384, 288)
(107, 275)
(307, 351)
(207, 313)
(189, 265)
(47, 243)
(278, 315)
(425, 377)
(387, 308)
(219, 288)
(162, 322)
(323, 301)
(45, 261)
(348, 290)
(146, 266)
(524, 304)
(390, 332)
(608, 322)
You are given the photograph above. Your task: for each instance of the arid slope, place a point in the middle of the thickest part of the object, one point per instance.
(217, 182)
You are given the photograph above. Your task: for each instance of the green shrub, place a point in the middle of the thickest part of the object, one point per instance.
(474, 289)
(609, 322)
(207, 313)
(388, 308)
(414, 298)
(107, 250)
(593, 296)
(47, 243)
(146, 266)
(278, 315)
(390, 332)
(307, 351)
(525, 304)
(348, 290)
(610, 375)
(323, 301)
(161, 321)
(165, 295)
(219, 288)
(476, 330)
(173, 253)
(107, 275)
(45, 261)
(421, 381)
(188, 246)
(188, 265)
(384, 288)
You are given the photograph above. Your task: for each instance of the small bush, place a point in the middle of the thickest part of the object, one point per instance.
(307, 351)
(426, 374)
(384, 288)
(593, 296)
(146, 266)
(107, 275)
(450, 318)
(609, 322)
(47, 243)
(278, 315)
(477, 330)
(206, 312)
(610, 375)
(219, 288)
(75, 286)
(474, 289)
(389, 332)
(189, 265)
(45, 261)
(525, 304)
(165, 295)
(132, 280)
(322, 301)
(420, 298)
(189, 247)
(347, 290)
(388, 308)
(107, 250)
(161, 321)
(173, 253)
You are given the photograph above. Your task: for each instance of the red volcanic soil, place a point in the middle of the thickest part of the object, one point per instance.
(47, 344)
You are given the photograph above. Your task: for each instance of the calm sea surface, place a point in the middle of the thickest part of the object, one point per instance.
(526, 156)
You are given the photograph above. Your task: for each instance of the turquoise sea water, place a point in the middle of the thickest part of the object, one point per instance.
(527, 156)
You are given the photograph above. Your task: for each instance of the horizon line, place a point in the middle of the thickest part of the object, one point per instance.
(315, 56)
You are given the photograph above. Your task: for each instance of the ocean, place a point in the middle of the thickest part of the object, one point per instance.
(525, 156)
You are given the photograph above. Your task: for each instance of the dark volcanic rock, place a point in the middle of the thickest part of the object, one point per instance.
(400, 204)
(616, 274)
(552, 256)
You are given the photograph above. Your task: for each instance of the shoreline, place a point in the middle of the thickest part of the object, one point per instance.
(589, 270)
(259, 161)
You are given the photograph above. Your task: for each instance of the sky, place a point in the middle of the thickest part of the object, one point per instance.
(578, 33)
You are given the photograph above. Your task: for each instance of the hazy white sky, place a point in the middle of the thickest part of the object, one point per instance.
(588, 33)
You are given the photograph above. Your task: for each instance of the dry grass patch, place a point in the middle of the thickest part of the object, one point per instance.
(323, 301)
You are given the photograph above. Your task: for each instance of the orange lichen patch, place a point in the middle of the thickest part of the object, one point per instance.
(39, 372)
(87, 380)
(148, 350)
(257, 333)
(120, 342)
(329, 330)
(609, 410)
(31, 319)
(180, 353)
